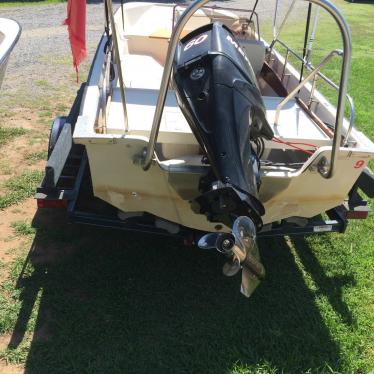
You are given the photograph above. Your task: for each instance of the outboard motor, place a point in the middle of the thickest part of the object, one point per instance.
(218, 94)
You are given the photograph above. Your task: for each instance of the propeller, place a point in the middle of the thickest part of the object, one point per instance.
(241, 248)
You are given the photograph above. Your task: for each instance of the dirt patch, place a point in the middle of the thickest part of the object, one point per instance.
(9, 242)
(7, 340)
(10, 369)
(18, 148)
(4, 367)
(22, 117)
(4, 341)
(16, 164)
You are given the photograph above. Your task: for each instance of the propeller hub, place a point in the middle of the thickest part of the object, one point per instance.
(225, 243)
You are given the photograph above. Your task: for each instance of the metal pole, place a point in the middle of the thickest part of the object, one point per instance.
(118, 62)
(253, 11)
(189, 11)
(305, 40)
(285, 64)
(347, 48)
(312, 35)
(123, 16)
(351, 120)
(275, 19)
(275, 32)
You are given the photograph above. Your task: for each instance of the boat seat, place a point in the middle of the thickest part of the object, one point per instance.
(255, 51)
(294, 124)
(142, 77)
(141, 104)
(141, 71)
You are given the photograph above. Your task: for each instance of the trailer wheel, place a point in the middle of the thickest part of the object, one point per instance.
(56, 129)
(60, 121)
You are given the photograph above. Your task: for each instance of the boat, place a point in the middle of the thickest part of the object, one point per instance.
(191, 124)
(10, 32)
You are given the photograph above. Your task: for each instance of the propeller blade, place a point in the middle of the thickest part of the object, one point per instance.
(232, 267)
(252, 262)
(249, 282)
(244, 231)
(208, 241)
(221, 241)
(247, 251)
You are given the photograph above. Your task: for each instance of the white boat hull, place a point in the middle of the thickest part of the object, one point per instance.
(169, 186)
(10, 32)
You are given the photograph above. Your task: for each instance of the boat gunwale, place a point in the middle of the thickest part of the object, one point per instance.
(9, 49)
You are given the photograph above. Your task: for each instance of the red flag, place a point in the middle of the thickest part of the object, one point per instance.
(76, 22)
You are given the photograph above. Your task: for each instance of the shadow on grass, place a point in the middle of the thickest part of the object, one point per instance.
(328, 286)
(115, 302)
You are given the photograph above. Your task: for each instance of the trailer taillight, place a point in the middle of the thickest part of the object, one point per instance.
(49, 203)
(357, 214)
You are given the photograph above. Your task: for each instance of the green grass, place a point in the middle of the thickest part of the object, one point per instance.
(19, 188)
(36, 156)
(23, 228)
(6, 134)
(122, 303)
(101, 301)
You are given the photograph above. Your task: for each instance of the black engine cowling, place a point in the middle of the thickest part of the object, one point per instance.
(218, 94)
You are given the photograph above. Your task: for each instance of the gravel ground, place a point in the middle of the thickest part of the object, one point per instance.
(43, 52)
(43, 33)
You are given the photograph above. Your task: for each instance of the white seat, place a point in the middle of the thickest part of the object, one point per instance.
(141, 104)
(294, 124)
(141, 71)
(142, 78)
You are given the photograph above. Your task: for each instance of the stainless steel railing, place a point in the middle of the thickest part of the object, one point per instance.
(276, 32)
(347, 53)
(326, 60)
(310, 67)
(190, 10)
(117, 56)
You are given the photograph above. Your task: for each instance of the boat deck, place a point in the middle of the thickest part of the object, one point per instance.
(294, 124)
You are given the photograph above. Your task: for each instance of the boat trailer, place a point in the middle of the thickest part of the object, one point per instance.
(67, 185)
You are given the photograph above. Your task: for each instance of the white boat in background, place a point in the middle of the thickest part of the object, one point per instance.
(10, 32)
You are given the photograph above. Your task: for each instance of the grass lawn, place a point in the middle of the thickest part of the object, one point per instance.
(86, 300)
